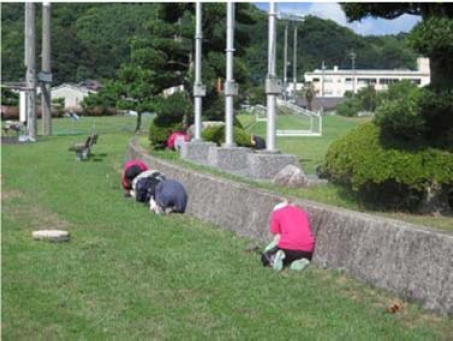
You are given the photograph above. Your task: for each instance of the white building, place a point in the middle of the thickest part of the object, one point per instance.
(73, 94)
(334, 83)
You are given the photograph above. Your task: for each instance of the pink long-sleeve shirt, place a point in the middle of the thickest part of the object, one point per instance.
(292, 224)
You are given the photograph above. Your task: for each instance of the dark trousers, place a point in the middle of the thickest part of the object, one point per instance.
(290, 256)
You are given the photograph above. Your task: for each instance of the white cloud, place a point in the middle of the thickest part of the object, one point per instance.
(367, 26)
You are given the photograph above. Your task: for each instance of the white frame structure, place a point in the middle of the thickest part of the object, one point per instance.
(314, 117)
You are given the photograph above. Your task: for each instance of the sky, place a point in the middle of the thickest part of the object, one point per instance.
(333, 11)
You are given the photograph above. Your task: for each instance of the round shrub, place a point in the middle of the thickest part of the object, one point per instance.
(158, 134)
(217, 135)
(402, 117)
(349, 108)
(391, 177)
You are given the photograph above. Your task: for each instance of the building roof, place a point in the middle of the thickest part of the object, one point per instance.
(366, 72)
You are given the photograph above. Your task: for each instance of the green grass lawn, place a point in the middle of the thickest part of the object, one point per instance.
(309, 149)
(127, 274)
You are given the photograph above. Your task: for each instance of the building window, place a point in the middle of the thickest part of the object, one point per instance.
(388, 80)
(416, 81)
(315, 79)
(367, 80)
(348, 80)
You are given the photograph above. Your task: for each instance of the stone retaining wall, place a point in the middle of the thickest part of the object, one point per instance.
(412, 261)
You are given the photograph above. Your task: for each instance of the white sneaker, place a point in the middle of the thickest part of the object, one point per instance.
(299, 264)
(277, 263)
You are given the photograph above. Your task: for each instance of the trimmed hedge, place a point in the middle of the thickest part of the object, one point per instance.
(362, 161)
(217, 135)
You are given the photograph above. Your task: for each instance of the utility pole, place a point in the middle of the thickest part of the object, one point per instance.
(31, 71)
(295, 62)
(46, 101)
(323, 67)
(273, 85)
(285, 63)
(353, 55)
(199, 91)
(231, 88)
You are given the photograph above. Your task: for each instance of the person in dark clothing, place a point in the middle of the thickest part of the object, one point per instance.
(257, 142)
(144, 185)
(170, 196)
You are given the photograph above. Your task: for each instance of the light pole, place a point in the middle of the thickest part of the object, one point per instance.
(199, 91)
(353, 55)
(231, 88)
(31, 69)
(285, 62)
(323, 67)
(290, 18)
(46, 106)
(295, 64)
(273, 88)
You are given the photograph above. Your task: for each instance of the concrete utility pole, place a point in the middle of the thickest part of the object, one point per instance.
(295, 63)
(273, 85)
(46, 101)
(353, 55)
(285, 63)
(31, 72)
(231, 88)
(199, 91)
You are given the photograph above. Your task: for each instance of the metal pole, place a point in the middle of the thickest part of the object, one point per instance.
(285, 63)
(323, 68)
(46, 101)
(295, 63)
(271, 95)
(199, 90)
(353, 55)
(31, 72)
(230, 86)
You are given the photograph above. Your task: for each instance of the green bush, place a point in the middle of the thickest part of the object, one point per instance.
(349, 108)
(217, 135)
(158, 135)
(402, 117)
(393, 177)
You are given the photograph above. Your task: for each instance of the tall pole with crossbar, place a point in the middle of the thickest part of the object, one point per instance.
(198, 89)
(45, 66)
(272, 88)
(230, 88)
(31, 69)
(285, 62)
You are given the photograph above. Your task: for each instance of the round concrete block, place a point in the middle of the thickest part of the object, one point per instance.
(55, 236)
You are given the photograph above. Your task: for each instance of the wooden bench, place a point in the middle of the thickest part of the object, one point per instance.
(14, 126)
(83, 150)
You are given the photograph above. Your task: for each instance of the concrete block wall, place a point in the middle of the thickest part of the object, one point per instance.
(411, 261)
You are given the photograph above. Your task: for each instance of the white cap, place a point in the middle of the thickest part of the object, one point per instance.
(280, 205)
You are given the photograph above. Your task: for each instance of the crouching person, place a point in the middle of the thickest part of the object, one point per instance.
(294, 242)
(132, 169)
(144, 185)
(170, 197)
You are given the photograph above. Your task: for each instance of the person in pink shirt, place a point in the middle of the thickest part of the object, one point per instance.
(176, 138)
(293, 243)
